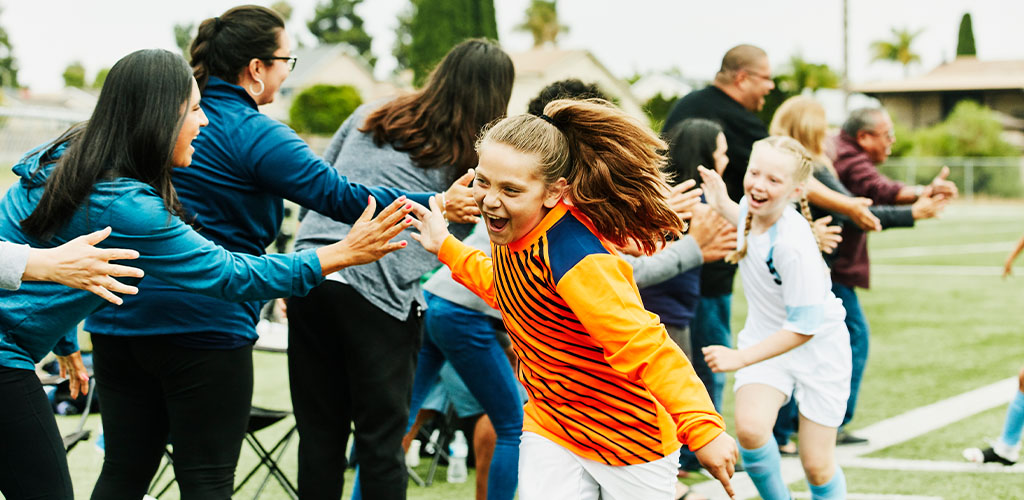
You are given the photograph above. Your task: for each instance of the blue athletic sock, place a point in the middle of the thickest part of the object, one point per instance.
(1014, 421)
(764, 468)
(835, 489)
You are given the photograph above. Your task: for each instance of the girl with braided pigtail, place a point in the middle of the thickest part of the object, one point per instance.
(795, 342)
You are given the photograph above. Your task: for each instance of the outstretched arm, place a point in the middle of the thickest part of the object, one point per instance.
(79, 264)
(599, 290)
(718, 197)
(470, 267)
(1008, 266)
(857, 209)
(723, 359)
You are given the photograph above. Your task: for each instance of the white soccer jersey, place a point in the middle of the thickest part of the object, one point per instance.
(786, 282)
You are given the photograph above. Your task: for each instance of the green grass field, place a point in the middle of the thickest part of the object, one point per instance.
(935, 334)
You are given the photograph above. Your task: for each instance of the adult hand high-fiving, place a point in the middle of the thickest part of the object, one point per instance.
(80, 264)
(457, 203)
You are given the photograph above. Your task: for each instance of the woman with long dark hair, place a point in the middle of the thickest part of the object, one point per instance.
(115, 171)
(362, 370)
(693, 142)
(245, 164)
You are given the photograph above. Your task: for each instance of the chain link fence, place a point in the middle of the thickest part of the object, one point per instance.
(974, 176)
(25, 127)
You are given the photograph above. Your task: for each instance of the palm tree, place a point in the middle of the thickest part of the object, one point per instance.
(898, 48)
(808, 75)
(542, 22)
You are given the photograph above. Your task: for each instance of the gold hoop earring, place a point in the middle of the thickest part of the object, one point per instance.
(262, 88)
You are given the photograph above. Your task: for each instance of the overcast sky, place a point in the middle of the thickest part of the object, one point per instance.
(627, 36)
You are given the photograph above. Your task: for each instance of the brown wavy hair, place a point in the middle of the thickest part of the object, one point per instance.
(612, 163)
(439, 124)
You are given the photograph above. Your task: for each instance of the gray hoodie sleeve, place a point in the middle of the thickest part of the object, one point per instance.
(675, 259)
(13, 259)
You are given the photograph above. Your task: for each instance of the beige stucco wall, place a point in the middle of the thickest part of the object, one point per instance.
(913, 110)
(527, 86)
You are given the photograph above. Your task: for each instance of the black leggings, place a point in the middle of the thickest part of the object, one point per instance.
(156, 393)
(350, 362)
(32, 460)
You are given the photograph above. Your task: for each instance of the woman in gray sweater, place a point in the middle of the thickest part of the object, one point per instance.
(361, 371)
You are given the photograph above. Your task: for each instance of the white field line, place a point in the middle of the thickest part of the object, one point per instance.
(902, 464)
(883, 434)
(937, 270)
(933, 250)
(871, 496)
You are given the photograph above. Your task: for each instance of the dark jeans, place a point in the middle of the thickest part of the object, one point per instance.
(466, 338)
(349, 362)
(859, 335)
(32, 460)
(787, 423)
(153, 393)
(710, 326)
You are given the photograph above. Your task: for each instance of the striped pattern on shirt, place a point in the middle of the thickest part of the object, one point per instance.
(604, 379)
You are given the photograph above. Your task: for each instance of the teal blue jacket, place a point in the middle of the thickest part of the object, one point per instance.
(41, 317)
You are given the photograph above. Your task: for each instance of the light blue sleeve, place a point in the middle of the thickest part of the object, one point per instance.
(173, 252)
(805, 287)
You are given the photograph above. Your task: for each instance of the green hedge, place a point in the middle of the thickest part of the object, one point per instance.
(321, 109)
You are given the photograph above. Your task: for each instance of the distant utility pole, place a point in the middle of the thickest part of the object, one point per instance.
(846, 56)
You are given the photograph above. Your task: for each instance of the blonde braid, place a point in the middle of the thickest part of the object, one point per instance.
(735, 256)
(806, 210)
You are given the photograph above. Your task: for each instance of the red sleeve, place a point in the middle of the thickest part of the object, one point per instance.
(862, 178)
(601, 292)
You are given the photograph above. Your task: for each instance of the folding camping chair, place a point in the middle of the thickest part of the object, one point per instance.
(446, 426)
(81, 433)
(259, 419)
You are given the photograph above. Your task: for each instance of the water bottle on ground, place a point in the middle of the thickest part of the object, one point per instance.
(432, 442)
(457, 453)
(412, 457)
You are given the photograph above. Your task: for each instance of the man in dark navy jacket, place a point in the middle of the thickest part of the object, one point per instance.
(737, 92)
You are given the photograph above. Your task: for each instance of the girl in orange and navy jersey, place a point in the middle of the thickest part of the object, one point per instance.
(611, 396)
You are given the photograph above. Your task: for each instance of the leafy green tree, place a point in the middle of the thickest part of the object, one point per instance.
(101, 76)
(336, 21)
(403, 39)
(74, 75)
(8, 67)
(798, 74)
(657, 109)
(898, 49)
(439, 25)
(965, 40)
(807, 75)
(542, 22)
(971, 129)
(321, 109)
(183, 35)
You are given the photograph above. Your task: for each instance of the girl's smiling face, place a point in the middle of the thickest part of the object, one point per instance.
(769, 183)
(510, 193)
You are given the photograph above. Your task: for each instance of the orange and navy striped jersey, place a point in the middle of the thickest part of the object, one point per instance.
(604, 379)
